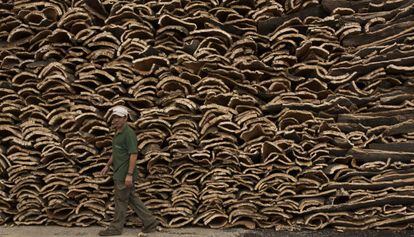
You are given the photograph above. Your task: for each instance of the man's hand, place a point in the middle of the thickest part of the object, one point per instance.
(128, 181)
(104, 170)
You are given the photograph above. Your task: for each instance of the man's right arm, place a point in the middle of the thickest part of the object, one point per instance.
(109, 163)
(106, 168)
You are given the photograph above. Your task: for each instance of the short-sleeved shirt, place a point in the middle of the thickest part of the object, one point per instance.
(124, 144)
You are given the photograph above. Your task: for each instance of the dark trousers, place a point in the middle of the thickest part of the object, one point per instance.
(123, 197)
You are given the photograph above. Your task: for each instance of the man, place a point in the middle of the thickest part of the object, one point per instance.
(124, 156)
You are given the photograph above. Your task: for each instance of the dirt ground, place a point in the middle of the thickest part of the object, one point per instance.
(53, 231)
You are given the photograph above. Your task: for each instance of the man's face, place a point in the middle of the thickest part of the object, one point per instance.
(118, 121)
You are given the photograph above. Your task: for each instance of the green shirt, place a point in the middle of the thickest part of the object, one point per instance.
(124, 144)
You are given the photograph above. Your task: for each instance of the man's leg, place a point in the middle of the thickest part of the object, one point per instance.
(142, 212)
(121, 205)
(122, 194)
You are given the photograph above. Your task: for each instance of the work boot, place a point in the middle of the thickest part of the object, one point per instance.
(151, 227)
(109, 232)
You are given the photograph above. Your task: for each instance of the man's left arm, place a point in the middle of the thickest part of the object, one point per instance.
(132, 145)
(131, 167)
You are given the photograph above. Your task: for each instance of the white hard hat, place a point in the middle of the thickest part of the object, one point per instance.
(120, 110)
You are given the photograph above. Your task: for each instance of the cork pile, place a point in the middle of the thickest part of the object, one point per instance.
(255, 114)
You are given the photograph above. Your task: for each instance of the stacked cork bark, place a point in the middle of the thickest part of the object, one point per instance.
(259, 114)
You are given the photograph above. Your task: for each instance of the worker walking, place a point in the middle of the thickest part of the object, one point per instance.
(123, 160)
